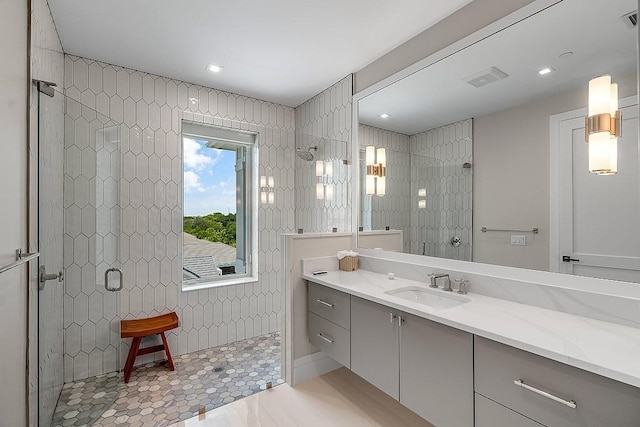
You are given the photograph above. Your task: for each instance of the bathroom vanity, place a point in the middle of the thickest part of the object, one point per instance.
(465, 360)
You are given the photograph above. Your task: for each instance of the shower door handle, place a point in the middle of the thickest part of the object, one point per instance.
(43, 277)
(106, 279)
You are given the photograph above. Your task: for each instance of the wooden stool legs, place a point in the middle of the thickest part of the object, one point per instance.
(131, 357)
(166, 350)
(135, 351)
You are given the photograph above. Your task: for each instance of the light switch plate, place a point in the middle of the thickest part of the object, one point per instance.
(518, 240)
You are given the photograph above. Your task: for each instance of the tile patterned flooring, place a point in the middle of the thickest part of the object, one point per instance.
(157, 397)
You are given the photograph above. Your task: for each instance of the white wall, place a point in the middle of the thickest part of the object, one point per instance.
(511, 177)
(13, 215)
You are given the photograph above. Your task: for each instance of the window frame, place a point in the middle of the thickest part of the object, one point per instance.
(238, 137)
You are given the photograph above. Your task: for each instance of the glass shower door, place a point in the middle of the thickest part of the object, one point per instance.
(50, 242)
(80, 168)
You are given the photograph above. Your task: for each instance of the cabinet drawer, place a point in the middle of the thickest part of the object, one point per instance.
(331, 304)
(330, 338)
(599, 401)
(436, 363)
(491, 414)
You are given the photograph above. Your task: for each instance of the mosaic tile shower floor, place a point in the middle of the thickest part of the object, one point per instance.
(157, 397)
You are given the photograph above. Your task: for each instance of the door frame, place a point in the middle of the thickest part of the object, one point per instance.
(558, 175)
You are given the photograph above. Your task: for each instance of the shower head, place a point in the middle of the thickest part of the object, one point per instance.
(306, 155)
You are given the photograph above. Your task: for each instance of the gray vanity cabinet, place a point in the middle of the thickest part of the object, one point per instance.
(552, 393)
(436, 372)
(328, 322)
(427, 366)
(374, 345)
(492, 414)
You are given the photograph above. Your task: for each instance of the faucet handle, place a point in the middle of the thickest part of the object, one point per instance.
(463, 286)
(432, 281)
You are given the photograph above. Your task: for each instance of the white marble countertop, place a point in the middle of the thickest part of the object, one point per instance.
(604, 348)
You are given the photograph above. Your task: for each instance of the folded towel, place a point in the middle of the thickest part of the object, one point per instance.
(342, 254)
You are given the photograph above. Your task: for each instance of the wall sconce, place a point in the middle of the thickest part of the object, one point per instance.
(376, 161)
(602, 126)
(422, 202)
(267, 190)
(324, 171)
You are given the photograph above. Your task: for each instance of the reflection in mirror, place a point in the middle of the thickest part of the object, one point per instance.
(512, 106)
(322, 184)
(428, 189)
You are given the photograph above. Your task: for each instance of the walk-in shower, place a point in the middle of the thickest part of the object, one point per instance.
(322, 185)
(110, 198)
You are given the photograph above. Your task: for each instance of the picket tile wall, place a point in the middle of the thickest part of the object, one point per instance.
(430, 162)
(149, 110)
(392, 209)
(324, 121)
(438, 156)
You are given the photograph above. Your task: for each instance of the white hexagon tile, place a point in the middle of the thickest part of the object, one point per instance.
(135, 223)
(438, 156)
(156, 396)
(323, 129)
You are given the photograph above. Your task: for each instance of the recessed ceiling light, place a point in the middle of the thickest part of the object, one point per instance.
(214, 68)
(384, 116)
(546, 70)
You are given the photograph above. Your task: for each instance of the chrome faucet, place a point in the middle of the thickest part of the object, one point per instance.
(434, 281)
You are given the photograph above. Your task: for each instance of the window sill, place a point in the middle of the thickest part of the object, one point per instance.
(218, 283)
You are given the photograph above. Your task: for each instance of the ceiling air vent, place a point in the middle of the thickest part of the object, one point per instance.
(488, 76)
(631, 19)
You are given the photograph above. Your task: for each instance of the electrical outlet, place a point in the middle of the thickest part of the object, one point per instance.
(518, 240)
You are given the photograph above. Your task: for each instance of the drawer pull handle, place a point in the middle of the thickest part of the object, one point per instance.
(570, 403)
(328, 304)
(319, 335)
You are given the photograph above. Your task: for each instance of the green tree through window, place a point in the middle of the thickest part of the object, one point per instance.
(215, 227)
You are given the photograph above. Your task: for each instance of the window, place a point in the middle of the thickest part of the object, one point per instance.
(219, 226)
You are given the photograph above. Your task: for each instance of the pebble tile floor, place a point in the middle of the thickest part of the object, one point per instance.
(157, 397)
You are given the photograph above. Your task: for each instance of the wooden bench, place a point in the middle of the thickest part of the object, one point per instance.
(139, 328)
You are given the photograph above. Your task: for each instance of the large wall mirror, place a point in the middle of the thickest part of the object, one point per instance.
(481, 156)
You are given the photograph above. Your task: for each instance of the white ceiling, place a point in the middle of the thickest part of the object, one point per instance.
(283, 51)
(438, 94)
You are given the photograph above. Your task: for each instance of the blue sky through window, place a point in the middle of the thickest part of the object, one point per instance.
(209, 179)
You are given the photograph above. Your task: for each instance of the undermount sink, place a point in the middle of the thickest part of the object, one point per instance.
(435, 299)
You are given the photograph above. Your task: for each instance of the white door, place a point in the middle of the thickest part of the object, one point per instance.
(596, 218)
